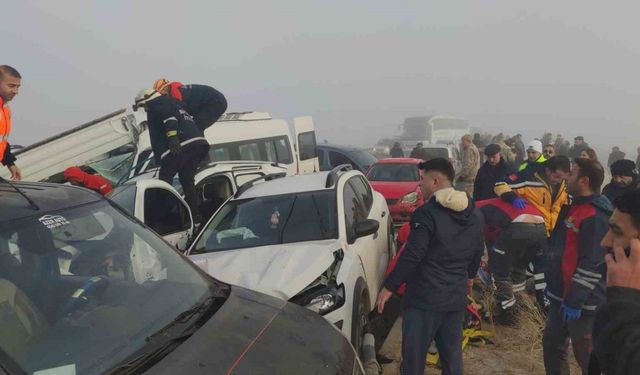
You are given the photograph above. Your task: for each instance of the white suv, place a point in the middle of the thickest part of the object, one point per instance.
(320, 240)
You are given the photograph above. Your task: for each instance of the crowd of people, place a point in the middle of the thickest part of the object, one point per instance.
(538, 211)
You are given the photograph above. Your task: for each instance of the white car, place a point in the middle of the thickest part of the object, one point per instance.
(320, 240)
(161, 206)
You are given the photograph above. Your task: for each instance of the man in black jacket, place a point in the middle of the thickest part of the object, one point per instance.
(178, 144)
(494, 170)
(437, 264)
(616, 330)
(624, 178)
(576, 271)
(203, 102)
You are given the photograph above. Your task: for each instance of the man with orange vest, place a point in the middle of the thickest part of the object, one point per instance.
(9, 85)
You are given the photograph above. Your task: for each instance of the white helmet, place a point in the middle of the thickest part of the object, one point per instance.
(143, 97)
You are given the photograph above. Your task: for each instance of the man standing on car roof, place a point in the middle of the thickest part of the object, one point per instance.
(9, 86)
(576, 270)
(204, 103)
(178, 144)
(438, 263)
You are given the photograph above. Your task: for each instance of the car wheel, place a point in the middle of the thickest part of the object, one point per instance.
(360, 316)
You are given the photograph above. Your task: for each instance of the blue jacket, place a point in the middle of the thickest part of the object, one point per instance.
(443, 251)
(576, 272)
(167, 118)
(205, 103)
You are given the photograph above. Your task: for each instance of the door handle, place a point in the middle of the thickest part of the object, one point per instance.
(384, 213)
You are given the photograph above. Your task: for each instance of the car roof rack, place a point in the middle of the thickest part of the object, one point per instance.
(332, 177)
(249, 184)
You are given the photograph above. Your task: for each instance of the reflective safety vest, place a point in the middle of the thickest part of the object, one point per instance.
(5, 127)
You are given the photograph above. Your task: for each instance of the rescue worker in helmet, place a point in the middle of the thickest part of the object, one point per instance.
(177, 142)
(204, 103)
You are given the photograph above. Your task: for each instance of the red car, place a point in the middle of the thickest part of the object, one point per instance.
(397, 180)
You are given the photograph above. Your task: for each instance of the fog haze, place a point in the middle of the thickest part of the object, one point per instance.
(357, 67)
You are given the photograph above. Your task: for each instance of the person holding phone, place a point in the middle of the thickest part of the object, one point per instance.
(616, 329)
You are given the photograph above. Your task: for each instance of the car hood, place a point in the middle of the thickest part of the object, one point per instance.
(256, 334)
(394, 189)
(279, 270)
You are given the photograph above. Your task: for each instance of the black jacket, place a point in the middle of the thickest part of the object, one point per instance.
(487, 178)
(576, 150)
(205, 103)
(443, 251)
(576, 272)
(616, 333)
(8, 159)
(396, 152)
(613, 191)
(167, 118)
(419, 154)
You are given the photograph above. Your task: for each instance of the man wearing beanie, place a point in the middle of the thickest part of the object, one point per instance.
(624, 178)
(534, 155)
(494, 170)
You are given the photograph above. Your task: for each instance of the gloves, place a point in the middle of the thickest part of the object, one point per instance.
(519, 203)
(174, 146)
(569, 313)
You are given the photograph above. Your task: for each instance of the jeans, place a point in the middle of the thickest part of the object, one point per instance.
(420, 328)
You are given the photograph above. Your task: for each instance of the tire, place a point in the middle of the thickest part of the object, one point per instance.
(359, 315)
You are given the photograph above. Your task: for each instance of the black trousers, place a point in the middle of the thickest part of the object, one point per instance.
(185, 166)
(514, 249)
(420, 328)
(555, 342)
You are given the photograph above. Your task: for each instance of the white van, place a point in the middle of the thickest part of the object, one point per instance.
(251, 136)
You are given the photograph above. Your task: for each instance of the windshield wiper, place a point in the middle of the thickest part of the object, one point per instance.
(31, 202)
(167, 339)
(315, 205)
(286, 221)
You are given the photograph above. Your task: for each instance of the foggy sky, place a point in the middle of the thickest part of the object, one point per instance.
(357, 67)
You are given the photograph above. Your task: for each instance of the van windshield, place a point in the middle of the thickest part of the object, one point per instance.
(71, 283)
(271, 220)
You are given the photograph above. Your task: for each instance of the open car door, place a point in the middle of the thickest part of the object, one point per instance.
(305, 134)
(78, 146)
(160, 207)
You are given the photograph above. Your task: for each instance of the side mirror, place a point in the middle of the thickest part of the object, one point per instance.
(366, 227)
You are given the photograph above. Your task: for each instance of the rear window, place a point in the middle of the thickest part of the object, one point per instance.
(394, 172)
(307, 145)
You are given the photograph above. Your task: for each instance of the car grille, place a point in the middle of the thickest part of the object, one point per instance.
(391, 202)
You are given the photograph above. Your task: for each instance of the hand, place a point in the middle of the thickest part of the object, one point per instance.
(624, 271)
(519, 203)
(569, 313)
(383, 297)
(174, 146)
(16, 175)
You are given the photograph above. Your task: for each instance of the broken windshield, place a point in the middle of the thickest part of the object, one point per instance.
(271, 220)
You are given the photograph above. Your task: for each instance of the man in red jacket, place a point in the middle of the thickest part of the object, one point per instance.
(97, 183)
(513, 237)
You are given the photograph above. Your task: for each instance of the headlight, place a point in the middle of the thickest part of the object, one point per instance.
(328, 300)
(410, 198)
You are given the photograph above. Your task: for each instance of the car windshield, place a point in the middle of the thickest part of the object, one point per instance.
(363, 158)
(271, 220)
(114, 168)
(71, 283)
(125, 196)
(394, 172)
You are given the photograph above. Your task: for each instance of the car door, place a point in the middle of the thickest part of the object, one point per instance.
(305, 145)
(161, 208)
(378, 254)
(356, 211)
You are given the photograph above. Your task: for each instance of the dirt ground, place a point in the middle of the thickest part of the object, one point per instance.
(505, 356)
